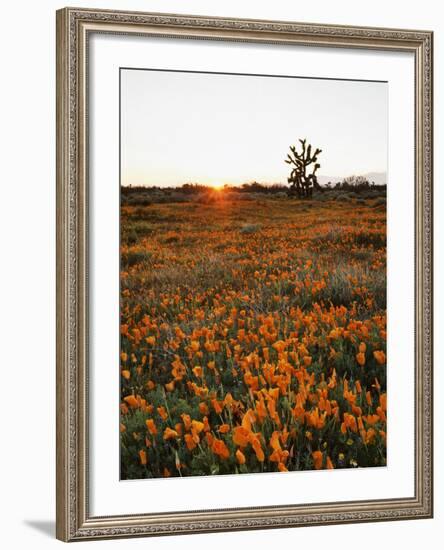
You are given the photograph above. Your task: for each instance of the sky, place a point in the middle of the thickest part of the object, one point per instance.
(218, 129)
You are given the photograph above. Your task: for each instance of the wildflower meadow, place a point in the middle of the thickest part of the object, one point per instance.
(253, 334)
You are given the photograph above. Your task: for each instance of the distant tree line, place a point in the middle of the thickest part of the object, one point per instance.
(198, 188)
(351, 183)
(355, 183)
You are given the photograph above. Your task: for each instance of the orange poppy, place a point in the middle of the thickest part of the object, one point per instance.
(224, 428)
(257, 448)
(317, 459)
(240, 457)
(151, 426)
(219, 448)
(189, 441)
(132, 401)
(142, 457)
(241, 436)
(169, 434)
(379, 356)
(186, 419)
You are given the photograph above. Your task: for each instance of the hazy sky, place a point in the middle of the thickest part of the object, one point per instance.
(214, 129)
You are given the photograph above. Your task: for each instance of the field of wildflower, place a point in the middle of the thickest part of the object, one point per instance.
(253, 336)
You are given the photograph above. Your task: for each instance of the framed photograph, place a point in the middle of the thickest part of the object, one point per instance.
(244, 274)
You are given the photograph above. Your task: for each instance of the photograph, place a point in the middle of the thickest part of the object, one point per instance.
(244, 246)
(253, 282)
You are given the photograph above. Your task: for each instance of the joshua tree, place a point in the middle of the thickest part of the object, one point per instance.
(300, 181)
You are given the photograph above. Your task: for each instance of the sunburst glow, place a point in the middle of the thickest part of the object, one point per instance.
(217, 185)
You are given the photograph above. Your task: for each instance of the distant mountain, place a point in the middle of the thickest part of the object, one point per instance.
(380, 178)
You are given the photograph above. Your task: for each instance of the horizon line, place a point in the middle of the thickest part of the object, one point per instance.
(330, 179)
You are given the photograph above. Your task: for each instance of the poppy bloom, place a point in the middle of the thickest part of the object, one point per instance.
(197, 371)
(257, 448)
(248, 419)
(195, 345)
(224, 428)
(317, 459)
(261, 410)
(203, 408)
(349, 422)
(217, 406)
(184, 345)
(240, 457)
(207, 427)
(197, 426)
(371, 419)
(241, 436)
(228, 400)
(178, 428)
(151, 426)
(186, 419)
(142, 457)
(370, 436)
(379, 356)
(189, 441)
(169, 434)
(274, 441)
(219, 448)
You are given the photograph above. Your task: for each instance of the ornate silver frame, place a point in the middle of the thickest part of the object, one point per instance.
(73, 519)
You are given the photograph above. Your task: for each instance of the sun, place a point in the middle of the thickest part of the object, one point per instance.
(217, 186)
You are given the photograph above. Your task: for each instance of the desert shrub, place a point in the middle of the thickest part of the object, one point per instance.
(170, 239)
(323, 197)
(280, 195)
(135, 200)
(142, 228)
(130, 237)
(370, 238)
(380, 201)
(248, 228)
(178, 197)
(133, 257)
